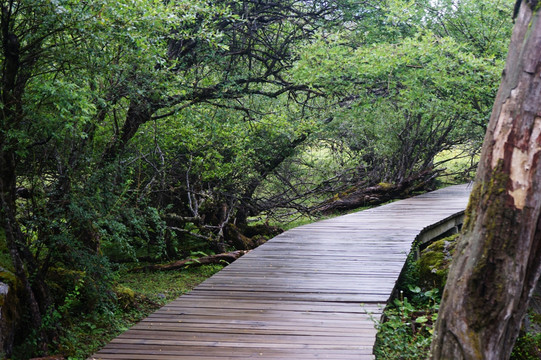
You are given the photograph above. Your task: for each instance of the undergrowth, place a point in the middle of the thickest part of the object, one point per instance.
(456, 166)
(406, 327)
(138, 295)
(405, 332)
(527, 347)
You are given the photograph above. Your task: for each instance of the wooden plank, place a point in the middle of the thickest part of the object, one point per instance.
(309, 293)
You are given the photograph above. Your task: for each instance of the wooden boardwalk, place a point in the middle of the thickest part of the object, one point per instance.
(302, 295)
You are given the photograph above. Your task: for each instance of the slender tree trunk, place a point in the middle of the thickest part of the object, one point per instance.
(15, 240)
(498, 260)
(139, 112)
(11, 92)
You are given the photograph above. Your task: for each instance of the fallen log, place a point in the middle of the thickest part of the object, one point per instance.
(377, 194)
(372, 195)
(228, 258)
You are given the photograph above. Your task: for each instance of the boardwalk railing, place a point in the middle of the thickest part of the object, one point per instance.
(304, 294)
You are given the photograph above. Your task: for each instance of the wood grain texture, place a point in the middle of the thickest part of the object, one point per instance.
(309, 293)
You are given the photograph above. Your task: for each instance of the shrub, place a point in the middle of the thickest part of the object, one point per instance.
(527, 347)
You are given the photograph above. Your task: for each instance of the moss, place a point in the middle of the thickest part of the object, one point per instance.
(386, 186)
(11, 309)
(433, 264)
(496, 227)
(345, 193)
(125, 296)
(470, 213)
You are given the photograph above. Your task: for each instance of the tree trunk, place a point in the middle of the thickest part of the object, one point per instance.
(498, 259)
(35, 291)
(139, 112)
(12, 85)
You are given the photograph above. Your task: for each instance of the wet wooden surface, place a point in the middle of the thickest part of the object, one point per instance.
(306, 294)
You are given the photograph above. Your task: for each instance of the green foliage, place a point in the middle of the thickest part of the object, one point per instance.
(138, 294)
(406, 328)
(406, 331)
(416, 83)
(527, 347)
(458, 165)
(402, 93)
(483, 26)
(409, 276)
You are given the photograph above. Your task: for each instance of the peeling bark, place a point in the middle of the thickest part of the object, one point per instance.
(498, 260)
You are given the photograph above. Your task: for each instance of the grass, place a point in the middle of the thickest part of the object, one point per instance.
(295, 220)
(139, 295)
(164, 286)
(458, 166)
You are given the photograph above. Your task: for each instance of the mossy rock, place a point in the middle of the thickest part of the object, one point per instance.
(264, 230)
(433, 264)
(236, 238)
(249, 238)
(125, 296)
(343, 194)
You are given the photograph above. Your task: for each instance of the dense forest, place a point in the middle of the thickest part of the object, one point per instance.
(146, 130)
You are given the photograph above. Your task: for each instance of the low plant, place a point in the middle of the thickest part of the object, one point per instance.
(406, 327)
(527, 347)
(405, 331)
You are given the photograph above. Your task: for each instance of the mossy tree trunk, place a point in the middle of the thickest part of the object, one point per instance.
(498, 260)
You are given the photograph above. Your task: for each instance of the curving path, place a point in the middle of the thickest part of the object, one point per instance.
(304, 294)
